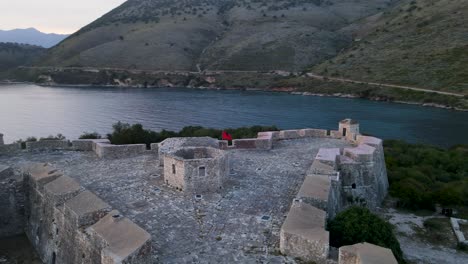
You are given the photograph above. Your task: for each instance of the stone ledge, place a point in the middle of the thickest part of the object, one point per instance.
(303, 233)
(48, 145)
(87, 144)
(40, 174)
(249, 143)
(371, 141)
(315, 191)
(289, 134)
(125, 241)
(361, 153)
(365, 253)
(455, 222)
(309, 132)
(62, 189)
(107, 151)
(10, 148)
(86, 209)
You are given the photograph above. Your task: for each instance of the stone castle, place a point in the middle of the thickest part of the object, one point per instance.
(327, 170)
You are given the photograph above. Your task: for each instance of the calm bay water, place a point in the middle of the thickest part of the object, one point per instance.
(30, 110)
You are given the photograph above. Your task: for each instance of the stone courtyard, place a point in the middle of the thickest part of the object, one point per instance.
(241, 223)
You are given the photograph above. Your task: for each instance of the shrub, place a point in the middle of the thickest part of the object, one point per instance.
(357, 225)
(422, 176)
(135, 134)
(93, 135)
(57, 137)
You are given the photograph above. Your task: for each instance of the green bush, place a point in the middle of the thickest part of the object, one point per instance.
(57, 137)
(135, 134)
(357, 225)
(422, 176)
(93, 135)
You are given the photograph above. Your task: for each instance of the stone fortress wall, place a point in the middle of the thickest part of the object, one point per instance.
(337, 179)
(66, 223)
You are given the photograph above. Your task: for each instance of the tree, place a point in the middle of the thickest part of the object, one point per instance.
(357, 225)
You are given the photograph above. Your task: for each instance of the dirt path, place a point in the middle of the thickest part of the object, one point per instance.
(319, 77)
(274, 72)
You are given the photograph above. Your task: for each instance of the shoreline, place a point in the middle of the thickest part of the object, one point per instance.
(289, 91)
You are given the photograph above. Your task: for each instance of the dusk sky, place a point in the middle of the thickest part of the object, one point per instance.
(53, 16)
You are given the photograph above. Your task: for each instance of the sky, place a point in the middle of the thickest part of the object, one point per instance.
(53, 16)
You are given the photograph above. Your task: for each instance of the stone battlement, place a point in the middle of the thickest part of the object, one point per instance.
(66, 223)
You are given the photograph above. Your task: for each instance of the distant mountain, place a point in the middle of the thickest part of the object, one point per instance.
(13, 55)
(31, 36)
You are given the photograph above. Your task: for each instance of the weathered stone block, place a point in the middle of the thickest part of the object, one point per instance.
(264, 144)
(223, 144)
(125, 242)
(85, 209)
(61, 190)
(87, 144)
(289, 134)
(100, 142)
(328, 156)
(107, 151)
(249, 143)
(10, 148)
(365, 253)
(40, 174)
(319, 133)
(335, 134)
(361, 153)
(303, 233)
(12, 198)
(154, 147)
(47, 145)
(315, 191)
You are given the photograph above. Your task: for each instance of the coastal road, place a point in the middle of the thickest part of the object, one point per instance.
(276, 72)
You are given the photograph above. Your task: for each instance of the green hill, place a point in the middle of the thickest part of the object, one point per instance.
(13, 55)
(215, 34)
(418, 42)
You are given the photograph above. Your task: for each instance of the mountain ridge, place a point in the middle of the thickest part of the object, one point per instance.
(31, 36)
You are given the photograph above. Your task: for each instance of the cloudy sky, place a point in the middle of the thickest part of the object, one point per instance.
(53, 16)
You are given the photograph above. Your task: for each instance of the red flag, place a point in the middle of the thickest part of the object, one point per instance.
(226, 136)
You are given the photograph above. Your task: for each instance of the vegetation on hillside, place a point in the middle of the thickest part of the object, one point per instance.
(417, 43)
(357, 225)
(214, 34)
(135, 134)
(422, 176)
(13, 55)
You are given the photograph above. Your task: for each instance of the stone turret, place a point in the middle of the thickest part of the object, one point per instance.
(348, 128)
(1, 139)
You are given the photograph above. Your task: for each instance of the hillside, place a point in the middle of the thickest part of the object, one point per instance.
(13, 55)
(418, 42)
(215, 34)
(31, 36)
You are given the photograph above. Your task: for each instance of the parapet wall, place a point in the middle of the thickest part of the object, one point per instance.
(337, 179)
(68, 224)
(11, 202)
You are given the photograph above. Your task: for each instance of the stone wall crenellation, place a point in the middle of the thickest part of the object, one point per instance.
(66, 223)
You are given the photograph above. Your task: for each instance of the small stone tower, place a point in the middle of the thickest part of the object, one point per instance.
(349, 128)
(1, 139)
(196, 170)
